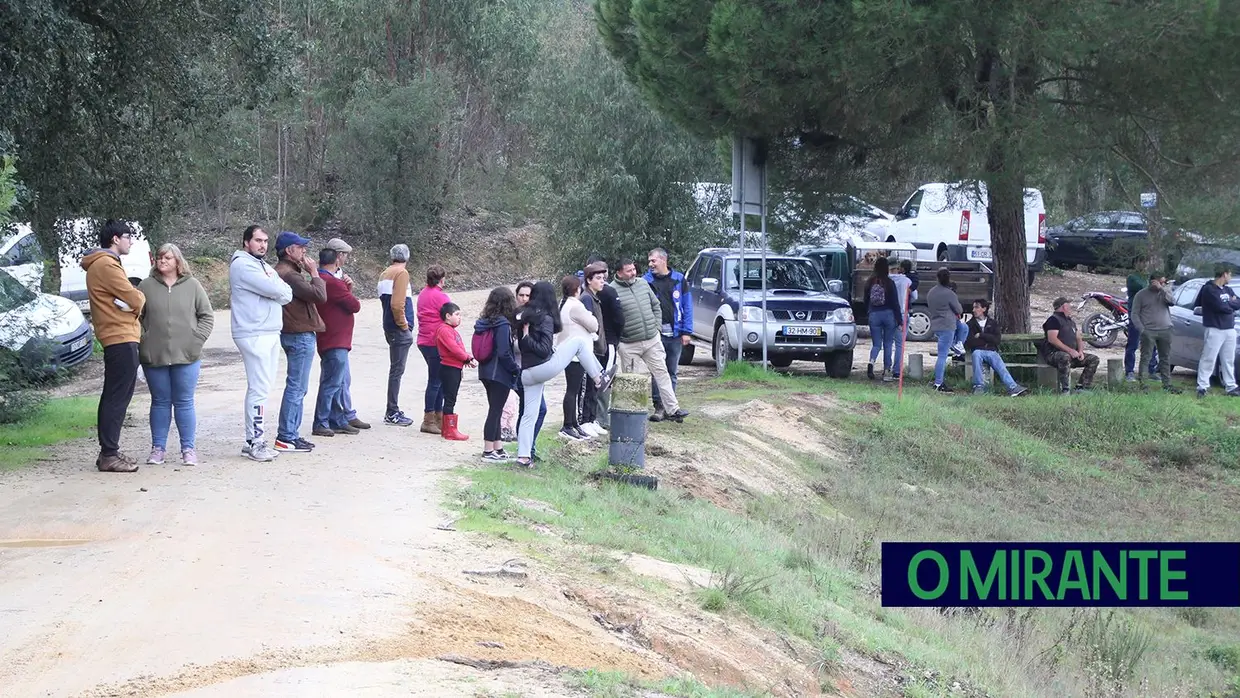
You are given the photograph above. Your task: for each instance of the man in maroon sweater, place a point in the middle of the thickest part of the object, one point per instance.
(334, 343)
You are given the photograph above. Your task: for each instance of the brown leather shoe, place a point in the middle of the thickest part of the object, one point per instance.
(120, 463)
(431, 423)
(358, 424)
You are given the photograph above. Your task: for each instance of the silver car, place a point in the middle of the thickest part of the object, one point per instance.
(1187, 332)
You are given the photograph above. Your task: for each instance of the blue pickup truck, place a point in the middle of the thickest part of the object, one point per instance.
(807, 319)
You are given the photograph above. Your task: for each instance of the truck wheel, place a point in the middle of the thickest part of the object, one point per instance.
(1031, 275)
(942, 254)
(686, 355)
(919, 324)
(839, 364)
(723, 350)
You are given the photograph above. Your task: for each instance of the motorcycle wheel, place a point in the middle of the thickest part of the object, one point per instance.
(1100, 340)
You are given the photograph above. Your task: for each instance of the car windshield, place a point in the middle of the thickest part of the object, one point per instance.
(781, 274)
(12, 293)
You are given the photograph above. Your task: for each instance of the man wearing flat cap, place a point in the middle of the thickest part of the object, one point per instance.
(342, 250)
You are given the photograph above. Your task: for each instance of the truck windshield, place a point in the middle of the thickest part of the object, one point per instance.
(781, 274)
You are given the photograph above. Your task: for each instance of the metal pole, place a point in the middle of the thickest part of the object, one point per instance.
(740, 320)
(908, 298)
(764, 342)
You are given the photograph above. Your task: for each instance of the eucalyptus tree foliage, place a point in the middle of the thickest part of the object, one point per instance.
(988, 92)
(618, 176)
(100, 96)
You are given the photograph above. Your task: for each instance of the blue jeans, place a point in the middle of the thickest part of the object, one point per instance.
(328, 411)
(434, 384)
(946, 339)
(172, 388)
(982, 357)
(299, 350)
(882, 335)
(346, 398)
(672, 348)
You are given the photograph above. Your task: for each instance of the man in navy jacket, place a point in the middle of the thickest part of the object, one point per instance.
(1218, 303)
(677, 321)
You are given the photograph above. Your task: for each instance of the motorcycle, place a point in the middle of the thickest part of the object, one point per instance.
(1103, 328)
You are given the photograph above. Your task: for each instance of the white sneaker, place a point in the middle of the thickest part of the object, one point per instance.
(594, 429)
(261, 452)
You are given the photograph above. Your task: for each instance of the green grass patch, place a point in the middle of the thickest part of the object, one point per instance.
(928, 466)
(607, 684)
(56, 421)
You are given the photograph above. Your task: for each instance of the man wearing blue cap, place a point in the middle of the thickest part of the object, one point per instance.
(301, 325)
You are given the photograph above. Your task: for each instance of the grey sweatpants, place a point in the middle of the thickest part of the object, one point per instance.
(1219, 348)
(534, 377)
(261, 357)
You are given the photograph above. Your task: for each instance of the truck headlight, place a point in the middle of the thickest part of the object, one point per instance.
(843, 315)
(750, 313)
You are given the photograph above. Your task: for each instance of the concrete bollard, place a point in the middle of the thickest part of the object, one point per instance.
(915, 369)
(1115, 372)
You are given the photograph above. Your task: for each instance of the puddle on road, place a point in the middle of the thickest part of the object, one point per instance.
(41, 543)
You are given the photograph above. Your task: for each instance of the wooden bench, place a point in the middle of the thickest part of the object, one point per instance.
(1020, 354)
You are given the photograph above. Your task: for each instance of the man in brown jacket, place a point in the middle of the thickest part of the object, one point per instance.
(301, 324)
(115, 306)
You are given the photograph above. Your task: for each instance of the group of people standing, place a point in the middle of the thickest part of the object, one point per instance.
(522, 340)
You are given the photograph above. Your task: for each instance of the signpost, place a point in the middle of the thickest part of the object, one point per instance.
(748, 180)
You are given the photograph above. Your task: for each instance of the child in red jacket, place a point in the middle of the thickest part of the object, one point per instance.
(453, 357)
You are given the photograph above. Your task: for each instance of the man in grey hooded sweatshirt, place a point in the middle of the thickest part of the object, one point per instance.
(257, 296)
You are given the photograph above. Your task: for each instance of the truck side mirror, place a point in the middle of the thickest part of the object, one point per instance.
(835, 286)
(710, 285)
(1197, 311)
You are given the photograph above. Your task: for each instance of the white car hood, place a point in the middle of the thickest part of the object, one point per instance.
(46, 315)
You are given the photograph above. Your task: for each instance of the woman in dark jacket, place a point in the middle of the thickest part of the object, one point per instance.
(542, 360)
(500, 371)
(882, 307)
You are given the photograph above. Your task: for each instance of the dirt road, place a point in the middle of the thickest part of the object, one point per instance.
(177, 578)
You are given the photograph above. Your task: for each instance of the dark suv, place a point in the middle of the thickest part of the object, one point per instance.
(806, 320)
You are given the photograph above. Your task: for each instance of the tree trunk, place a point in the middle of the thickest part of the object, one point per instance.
(1005, 212)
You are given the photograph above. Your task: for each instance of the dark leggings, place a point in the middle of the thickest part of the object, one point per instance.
(575, 374)
(451, 378)
(590, 396)
(497, 396)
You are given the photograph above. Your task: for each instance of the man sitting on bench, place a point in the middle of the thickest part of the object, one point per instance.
(1064, 348)
(984, 339)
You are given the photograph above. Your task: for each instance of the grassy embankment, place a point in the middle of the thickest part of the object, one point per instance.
(1108, 466)
(55, 421)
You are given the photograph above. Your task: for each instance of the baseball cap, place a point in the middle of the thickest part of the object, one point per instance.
(338, 245)
(1059, 303)
(289, 238)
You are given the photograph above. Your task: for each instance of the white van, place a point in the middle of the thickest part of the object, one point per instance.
(22, 257)
(947, 222)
